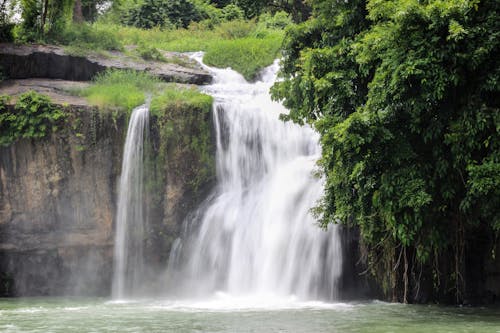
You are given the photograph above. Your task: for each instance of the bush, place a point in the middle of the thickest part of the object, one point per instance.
(42, 20)
(147, 52)
(162, 13)
(232, 12)
(280, 20)
(34, 116)
(209, 15)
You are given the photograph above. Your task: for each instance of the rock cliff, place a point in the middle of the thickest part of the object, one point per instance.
(58, 195)
(44, 61)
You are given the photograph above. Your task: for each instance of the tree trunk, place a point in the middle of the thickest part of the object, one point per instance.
(44, 16)
(77, 12)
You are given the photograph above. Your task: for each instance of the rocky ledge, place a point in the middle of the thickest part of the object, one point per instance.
(59, 91)
(44, 61)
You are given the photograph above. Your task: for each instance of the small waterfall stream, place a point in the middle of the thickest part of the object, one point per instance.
(256, 236)
(129, 235)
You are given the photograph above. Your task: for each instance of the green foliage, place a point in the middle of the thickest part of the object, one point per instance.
(235, 29)
(405, 96)
(34, 116)
(232, 12)
(84, 37)
(244, 46)
(147, 52)
(280, 20)
(300, 10)
(247, 55)
(173, 95)
(43, 19)
(120, 89)
(228, 41)
(162, 13)
(252, 8)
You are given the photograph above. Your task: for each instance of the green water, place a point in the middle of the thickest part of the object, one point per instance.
(98, 315)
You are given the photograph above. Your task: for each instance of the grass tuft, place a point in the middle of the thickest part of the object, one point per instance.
(173, 96)
(121, 89)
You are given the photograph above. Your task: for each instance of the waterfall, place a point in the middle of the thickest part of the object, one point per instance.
(256, 235)
(129, 235)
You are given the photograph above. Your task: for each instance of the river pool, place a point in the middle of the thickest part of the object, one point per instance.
(234, 315)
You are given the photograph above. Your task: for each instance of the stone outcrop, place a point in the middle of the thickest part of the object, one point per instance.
(43, 61)
(58, 200)
(57, 90)
(58, 194)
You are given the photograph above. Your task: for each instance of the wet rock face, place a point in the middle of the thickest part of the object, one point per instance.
(57, 198)
(40, 61)
(58, 194)
(58, 201)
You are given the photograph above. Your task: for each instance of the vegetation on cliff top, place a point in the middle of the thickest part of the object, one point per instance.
(120, 89)
(405, 94)
(246, 38)
(34, 116)
(123, 90)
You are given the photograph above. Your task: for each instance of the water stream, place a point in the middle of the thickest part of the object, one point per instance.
(129, 235)
(256, 237)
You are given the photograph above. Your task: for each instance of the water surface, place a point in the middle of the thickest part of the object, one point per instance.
(224, 314)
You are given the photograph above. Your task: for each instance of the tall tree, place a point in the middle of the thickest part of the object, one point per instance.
(77, 12)
(405, 95)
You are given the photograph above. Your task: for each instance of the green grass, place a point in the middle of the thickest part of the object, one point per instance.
(173, 95)
(124, 90)
(244, 46)
(247, 55)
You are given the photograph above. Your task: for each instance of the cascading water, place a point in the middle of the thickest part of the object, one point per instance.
(129, 235)
(256, 236)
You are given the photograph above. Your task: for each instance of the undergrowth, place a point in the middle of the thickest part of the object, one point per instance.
(245, 46)
(123, 90)
(34, 116)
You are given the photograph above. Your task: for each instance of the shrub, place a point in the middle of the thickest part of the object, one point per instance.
(209, 15)
(43, 19)
(232, 12)
(280, 20)
(162, 13)
(147, 52)
(34, 116)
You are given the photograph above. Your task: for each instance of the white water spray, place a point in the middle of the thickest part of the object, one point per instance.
(129, 235)
(256, 235)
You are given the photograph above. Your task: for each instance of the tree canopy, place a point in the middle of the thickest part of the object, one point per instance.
(405, 95)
